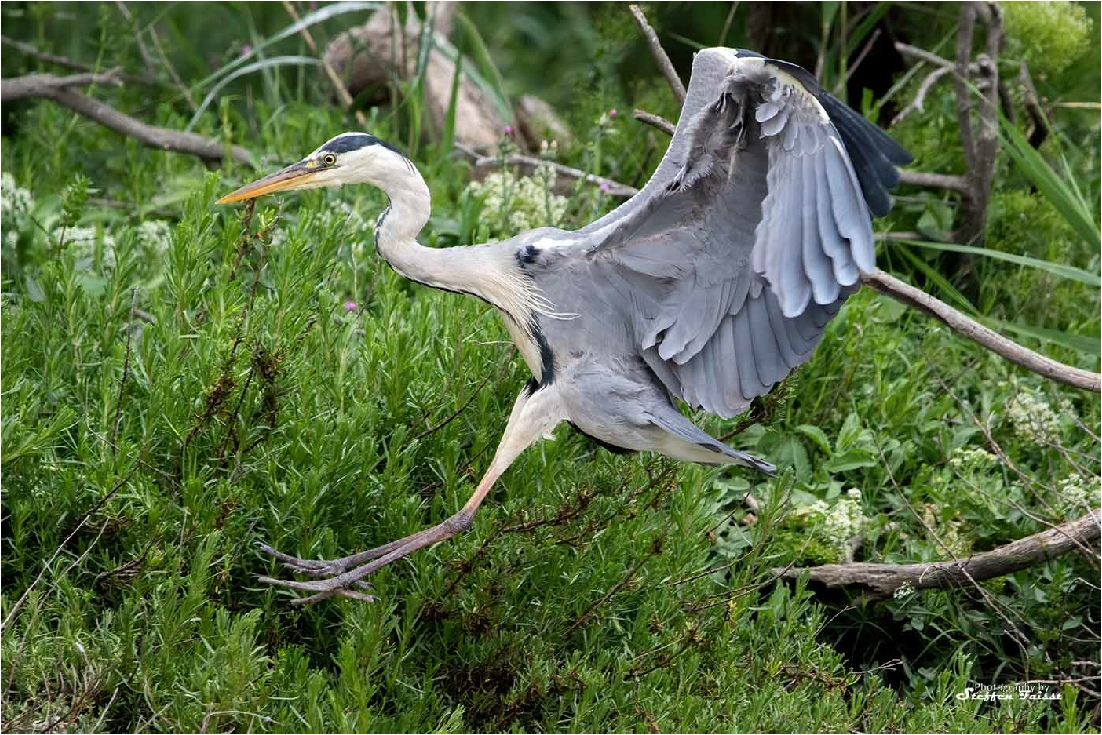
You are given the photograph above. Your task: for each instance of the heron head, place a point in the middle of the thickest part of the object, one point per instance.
(349, 158)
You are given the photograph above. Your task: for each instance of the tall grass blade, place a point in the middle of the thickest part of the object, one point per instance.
(1057, 269)
(1083, 343)
(1064, 197)
(256, 66)
(494, 84)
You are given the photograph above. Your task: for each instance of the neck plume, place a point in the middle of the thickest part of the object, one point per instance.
(487, 271)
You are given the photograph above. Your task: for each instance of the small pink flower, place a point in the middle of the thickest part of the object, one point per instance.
(612, 113)
(605, 186)
(351, 306)
(508, 129)
(246, 50)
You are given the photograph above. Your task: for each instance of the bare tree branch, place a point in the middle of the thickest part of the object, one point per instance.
(1033, 108)
(29, 50)
(655, 121)
(57, 89)
(42, 85)
(659, 53)
(528, 164)
(981, 141)
(932, 181)
(880, 581)
(981, 335)
(920, 96)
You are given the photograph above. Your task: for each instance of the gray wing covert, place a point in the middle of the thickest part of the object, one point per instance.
(752, 232)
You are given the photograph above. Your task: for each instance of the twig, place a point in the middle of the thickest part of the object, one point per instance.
(933, 181)
(529, 164)
(57, 89)
(655, 121)
(122, 381)
(80, 524)
(1033, 107)
(29, 50)
(841, 86)
(981, 335)
(147, 58)
(334, 78)
(664, 64)
(41, 85)
(880, 581)
(920, 96)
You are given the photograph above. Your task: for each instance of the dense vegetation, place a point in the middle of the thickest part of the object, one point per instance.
(182, 381)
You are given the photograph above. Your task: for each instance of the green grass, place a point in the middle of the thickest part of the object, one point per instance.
(164, 413)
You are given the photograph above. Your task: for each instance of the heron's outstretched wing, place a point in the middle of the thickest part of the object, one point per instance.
(751, 233)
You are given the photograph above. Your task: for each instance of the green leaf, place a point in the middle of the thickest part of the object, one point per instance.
(1064, 197)
(1057, 269)
(817, 435)
(1086, 344)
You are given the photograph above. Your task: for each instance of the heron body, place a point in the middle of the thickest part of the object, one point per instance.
(709, 286)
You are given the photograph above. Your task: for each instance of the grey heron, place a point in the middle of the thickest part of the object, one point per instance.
(709, 286)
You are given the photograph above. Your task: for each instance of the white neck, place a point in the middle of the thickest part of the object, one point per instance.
(488, 272)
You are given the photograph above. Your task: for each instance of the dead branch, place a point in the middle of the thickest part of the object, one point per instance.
(920, 96)
(877, 582)
(29, 50)
(41, 85)
(58, 89)
(655, 121)
(981, 335)
(932, 181)
(660, 56)
(484, 164)
(1032, 105)
(979, 137)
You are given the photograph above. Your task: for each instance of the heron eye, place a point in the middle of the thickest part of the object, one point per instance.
(329, 159)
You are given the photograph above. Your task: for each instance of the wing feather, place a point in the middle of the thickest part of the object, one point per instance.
(753, 231)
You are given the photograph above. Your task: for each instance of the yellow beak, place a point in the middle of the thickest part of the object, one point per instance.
(294, 176)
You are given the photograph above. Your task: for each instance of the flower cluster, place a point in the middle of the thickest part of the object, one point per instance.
(1050, 36)
(904, 591)
(512, 204)
(82, 241)
(947, 532)
(837, 524)
(1078, 493)
(15, 208)
(972, 458)
(155, 236)
(1034, 419)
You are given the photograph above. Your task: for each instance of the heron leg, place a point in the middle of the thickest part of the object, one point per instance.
(535, 413)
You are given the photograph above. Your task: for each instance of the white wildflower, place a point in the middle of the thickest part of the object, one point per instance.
(840, 522)
(82, 241)
(1033, 418)
(904, 591)
(512, 204)
(15, 209)
(972, 458)
(1077, 492)
(156, 236)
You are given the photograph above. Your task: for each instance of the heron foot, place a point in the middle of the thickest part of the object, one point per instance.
(345, 577)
